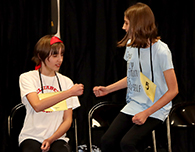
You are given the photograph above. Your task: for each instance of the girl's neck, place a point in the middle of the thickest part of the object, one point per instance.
(45, 71)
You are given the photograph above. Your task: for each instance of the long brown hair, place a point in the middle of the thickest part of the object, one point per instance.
(142, 28)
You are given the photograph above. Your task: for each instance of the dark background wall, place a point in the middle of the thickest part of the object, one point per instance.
(90, 30)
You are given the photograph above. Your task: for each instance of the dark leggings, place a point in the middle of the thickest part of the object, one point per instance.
(30, 145)
(123, 135)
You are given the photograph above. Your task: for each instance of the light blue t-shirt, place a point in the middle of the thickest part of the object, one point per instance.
(136, 98)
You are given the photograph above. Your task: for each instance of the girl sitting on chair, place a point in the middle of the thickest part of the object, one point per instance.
(151, 83)
(45, 130)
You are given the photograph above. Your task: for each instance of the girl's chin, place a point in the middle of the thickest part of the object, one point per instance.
(57, 69)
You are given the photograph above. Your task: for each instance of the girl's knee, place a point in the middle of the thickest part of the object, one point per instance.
(60, 146)
(127, 146)
(107, 143)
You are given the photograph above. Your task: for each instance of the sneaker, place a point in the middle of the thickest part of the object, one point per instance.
(95, 149)
(82, 148)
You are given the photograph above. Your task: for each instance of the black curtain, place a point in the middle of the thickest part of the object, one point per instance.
(90, 30)
(22, 24)
(90, 33)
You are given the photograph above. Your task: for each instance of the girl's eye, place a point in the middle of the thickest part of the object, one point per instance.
(54, 55)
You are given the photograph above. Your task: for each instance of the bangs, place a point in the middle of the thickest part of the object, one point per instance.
(56, 47)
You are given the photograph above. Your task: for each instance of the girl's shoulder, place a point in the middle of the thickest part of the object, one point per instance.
(162, 52)
(161, 48)
(161, 45)
(33, 73)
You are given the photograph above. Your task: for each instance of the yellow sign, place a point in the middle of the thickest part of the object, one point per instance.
(149, 86)
(61, 106)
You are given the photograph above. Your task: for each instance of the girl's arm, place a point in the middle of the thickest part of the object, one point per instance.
(40, 105)
(102, 91)
(172, 85)
(63, 128)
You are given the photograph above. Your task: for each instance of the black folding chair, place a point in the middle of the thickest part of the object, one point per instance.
(15, 124)
(100, 117)
(181, 116)
(73, 135)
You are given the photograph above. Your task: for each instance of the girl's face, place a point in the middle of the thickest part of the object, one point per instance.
(126, 24)
(53, 63)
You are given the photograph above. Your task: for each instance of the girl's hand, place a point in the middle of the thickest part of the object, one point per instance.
(100, 91)
(45, 145)
(140, 118)
(77, 89)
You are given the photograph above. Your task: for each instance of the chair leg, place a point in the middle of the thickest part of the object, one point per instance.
(90, 138)
(154, 140)
(168, 135)
(76, 135)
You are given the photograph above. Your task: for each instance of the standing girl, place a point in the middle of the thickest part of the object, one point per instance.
(42, 130)
(149, 68)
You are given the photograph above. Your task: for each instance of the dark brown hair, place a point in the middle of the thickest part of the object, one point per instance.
(142, 26)
(43, 49)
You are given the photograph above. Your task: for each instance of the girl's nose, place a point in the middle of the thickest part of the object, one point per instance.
(60, 58)
(124, 27)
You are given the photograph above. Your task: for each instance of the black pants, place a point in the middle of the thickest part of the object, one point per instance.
(123, 135)
(31, 145)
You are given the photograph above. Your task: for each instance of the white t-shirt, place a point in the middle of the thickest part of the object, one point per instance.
(136, 98)
(42, 125)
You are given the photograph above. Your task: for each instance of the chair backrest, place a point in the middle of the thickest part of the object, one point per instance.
(72, 135)
(101, 116)
(15, 124)
(183, 115)
(104, 113)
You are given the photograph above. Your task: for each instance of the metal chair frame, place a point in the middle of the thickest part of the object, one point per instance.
(98, 105)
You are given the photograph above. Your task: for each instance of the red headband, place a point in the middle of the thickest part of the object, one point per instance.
(55, 39)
